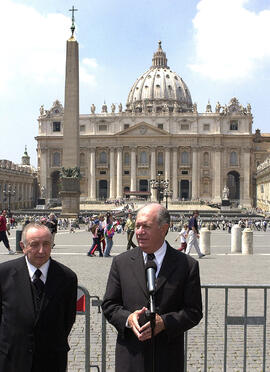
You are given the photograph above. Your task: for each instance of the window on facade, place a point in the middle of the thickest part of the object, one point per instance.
(126, 126)
(126, 158)
(143, 157)
(160, 126)
(206, 127)
(184, 127)
(206, 158)
(82, 159)
(57, 126)
(233, 158)
(102, 127)
(103, 157)
(160, 158)
(184, 172)
(184, 157)
(234, 125)
(126, 172)
(56, 159)
(102, 172)
(82, 128)
(160, 173)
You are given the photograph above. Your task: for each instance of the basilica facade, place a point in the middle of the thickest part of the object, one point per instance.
(159, 135)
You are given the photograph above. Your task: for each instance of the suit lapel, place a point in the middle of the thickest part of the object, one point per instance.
(22, 284)
(138, 268)
(168, 266)
(52, 284)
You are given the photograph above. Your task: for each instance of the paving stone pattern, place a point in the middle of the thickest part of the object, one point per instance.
(219, 268)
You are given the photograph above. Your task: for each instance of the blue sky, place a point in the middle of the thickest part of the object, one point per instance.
(220, 48)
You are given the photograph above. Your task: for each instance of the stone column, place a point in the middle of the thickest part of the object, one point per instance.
(175, 175)
(92, 175)
(112, 174)
(236, 239)
(119, 191)
(195, 173)
(153, 172)
(245, 198)
(44, 169)
(216, 194)
(133, 168)
(167, 175)
(247, 241)
(205, 240)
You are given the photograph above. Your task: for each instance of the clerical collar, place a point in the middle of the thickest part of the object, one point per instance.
(32, 269)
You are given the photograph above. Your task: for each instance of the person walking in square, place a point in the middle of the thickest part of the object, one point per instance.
(129, 227)
(108, 233)
(183, 238)
(193, 235)
(4, 231)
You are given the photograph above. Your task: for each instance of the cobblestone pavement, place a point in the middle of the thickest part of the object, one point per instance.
(220, 267)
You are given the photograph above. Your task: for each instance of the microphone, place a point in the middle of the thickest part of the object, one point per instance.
(151, 269)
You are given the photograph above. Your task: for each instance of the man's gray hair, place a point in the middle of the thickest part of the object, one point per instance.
(163, 216)
(36, 225)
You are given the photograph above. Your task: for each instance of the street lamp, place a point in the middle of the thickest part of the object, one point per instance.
(160, 185)
(9, 193)
(167, 194)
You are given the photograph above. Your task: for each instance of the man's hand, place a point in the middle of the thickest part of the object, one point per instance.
(144, 333)
(133, 321)
(8, 232)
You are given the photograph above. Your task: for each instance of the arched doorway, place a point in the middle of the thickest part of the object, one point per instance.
(55, 176)
(103, 189)
(184, 190)
(233, 183)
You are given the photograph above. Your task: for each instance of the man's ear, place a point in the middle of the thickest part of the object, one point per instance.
(22, 247)
(165, 228)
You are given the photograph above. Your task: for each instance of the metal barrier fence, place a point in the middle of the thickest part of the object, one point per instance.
(244, 321)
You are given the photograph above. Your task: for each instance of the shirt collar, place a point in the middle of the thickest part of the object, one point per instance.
(159, 254)
(32, 269)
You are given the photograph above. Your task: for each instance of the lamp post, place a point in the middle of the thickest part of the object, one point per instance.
(161, 186)
(9, 193)
(167, 194)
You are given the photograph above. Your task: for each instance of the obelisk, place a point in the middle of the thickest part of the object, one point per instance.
(70, 185)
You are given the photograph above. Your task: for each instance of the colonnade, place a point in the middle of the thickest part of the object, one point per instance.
(171, 170)
(21, 195)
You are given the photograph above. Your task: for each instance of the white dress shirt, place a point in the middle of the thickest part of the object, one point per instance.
(32, 269)
(159, 256)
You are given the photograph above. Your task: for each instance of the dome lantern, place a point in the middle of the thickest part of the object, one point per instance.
(159, 59)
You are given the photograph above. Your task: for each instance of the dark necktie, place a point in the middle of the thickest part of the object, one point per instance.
(150, 256)
(38, 283)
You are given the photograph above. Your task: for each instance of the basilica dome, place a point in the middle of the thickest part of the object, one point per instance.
(159, 89)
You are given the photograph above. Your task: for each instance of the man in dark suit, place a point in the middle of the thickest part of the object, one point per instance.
(177, 297)
(37, 307)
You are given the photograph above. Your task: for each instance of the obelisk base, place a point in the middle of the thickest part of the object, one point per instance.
(70, 196)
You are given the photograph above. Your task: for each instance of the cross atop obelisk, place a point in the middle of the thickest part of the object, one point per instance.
(73, 20)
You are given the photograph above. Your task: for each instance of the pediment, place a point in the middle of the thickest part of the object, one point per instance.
(143, 129)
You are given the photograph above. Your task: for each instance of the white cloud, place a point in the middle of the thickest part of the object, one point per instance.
(231, 41)
(86, 66)
(91, 62)
(33, 47)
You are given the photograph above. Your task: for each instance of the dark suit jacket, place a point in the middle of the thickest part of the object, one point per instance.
(29, 342)
(178, 301)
